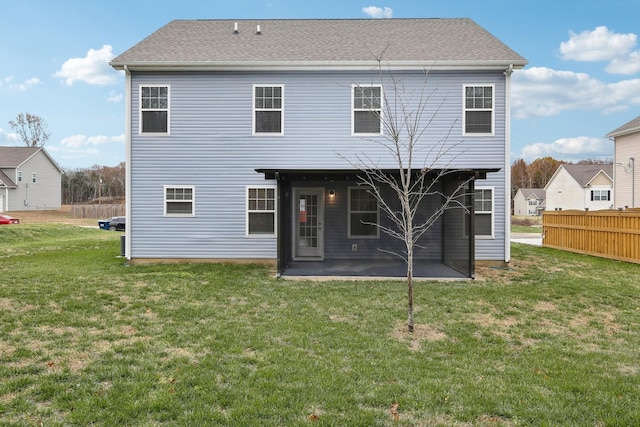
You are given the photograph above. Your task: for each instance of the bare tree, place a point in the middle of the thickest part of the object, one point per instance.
(418, 172)
(31, 129)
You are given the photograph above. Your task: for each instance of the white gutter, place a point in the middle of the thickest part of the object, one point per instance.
(315, 65)
(507, 164)
(127, 138)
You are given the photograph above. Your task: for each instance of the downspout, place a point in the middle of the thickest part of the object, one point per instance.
(507, 164)
(127, 139)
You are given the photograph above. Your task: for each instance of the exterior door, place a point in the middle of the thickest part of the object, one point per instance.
(308, 238)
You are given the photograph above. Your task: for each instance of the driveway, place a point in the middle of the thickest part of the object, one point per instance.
(534, 239)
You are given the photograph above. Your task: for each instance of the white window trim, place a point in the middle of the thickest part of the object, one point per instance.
(19, 176)
(353, 110)
(493, 109)
(349, 236)
(34, 177)
(275, 211)
(168, 132)
(492, 213)
(254, 110)
(193, 201)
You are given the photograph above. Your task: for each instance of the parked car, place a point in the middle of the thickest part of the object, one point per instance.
(6, 219)
(116, 223)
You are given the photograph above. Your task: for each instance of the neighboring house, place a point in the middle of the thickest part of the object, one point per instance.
(626, 178)
(29, 179)
(582, 187)
(241, 136)
(529, 201)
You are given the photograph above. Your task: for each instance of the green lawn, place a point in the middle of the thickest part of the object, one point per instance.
(88, 340)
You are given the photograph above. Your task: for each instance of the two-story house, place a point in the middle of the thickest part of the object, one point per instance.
(581, 187)
(529, 201)
(241, 139)
(29, 179)
(626, 180)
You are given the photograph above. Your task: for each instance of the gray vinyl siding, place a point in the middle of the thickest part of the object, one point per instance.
(211, 147)
(45, 193)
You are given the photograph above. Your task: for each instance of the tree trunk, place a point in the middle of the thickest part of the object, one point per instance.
(410, 292)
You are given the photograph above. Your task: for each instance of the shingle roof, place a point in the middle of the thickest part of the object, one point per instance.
(12, 157)
(627, 128)
(5, 181)
(281, 43)
(583, 174)
(540, 193)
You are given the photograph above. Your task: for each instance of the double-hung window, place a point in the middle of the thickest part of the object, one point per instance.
(367, 109)
(261, 211)
(19, 176)
(34, 177)
(600, 195)
(483, 208)
(179, 201)
(478, 109)
(364, 214)
(154, 109)
(268, 117)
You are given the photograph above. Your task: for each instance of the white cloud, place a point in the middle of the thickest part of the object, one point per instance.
(93, 69)
(83, 141)
(22, 86)
(541, 92)
(114, 97)
(377, 12)
(582, 147)
(597, 45)
(8, 137)
(628, 64)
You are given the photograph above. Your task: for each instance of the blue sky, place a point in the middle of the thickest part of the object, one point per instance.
(582, 81)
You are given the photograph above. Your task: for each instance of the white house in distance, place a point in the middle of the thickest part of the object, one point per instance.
(29, 179)
(582, 187)
(627, 149)
(529, 202)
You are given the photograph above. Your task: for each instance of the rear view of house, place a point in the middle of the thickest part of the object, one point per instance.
(625, 177)
(29, 179)
(529, 201)
(242, 137)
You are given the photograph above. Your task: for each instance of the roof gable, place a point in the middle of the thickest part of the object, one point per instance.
(585, 174)
(5, 181)
(14, 157)
(627, 128)
(531, 193)
(299, 42)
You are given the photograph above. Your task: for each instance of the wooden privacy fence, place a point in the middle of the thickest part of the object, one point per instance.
(97, 211)
(609, 234)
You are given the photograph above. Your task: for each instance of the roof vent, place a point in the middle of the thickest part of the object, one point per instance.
(235, 28)
(258, 29)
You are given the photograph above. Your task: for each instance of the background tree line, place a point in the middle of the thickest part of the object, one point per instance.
(98, 184)
(538, 173)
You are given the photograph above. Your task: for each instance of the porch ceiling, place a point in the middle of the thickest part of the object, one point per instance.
(352, 174)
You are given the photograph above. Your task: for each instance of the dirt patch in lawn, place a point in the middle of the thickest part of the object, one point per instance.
(421, 333)
(54, 216)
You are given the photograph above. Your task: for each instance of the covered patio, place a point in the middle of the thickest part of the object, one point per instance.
(315, 222)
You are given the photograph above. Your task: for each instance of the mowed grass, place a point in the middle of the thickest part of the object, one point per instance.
(88, 340)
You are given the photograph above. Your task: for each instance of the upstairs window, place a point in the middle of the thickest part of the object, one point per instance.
(478, 110)
(267, 109)
(34, 177)
(154, 109)
(367, 110)
(179, 201)
(19, 176)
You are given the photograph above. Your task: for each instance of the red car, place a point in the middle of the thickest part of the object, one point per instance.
(6, 219)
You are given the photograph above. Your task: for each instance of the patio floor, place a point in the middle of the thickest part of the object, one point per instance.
(371, 268)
